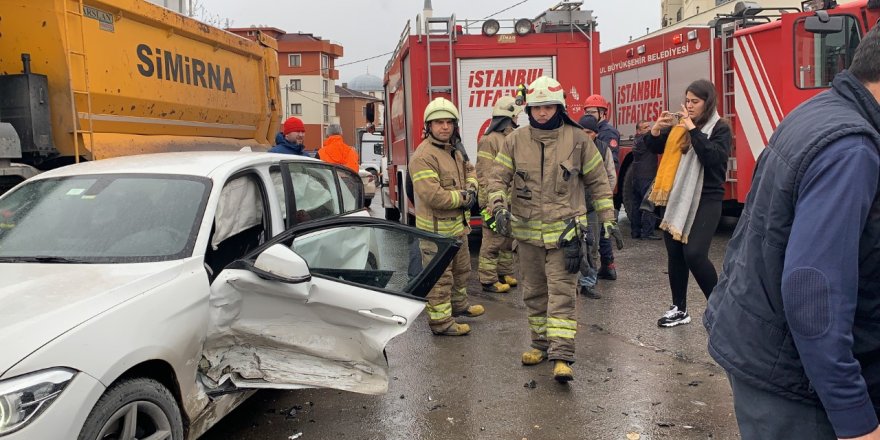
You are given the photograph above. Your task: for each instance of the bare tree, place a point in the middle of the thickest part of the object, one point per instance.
(198, 11)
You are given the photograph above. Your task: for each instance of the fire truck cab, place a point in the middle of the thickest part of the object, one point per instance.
(764, 62)
(472, 63)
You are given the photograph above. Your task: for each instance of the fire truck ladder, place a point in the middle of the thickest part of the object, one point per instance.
(79, 54)
(728, 85)
(439, 30)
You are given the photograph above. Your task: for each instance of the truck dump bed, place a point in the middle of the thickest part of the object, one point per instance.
(128, 77)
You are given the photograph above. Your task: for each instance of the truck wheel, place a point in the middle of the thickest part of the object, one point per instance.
(392, 214)
(136, 408)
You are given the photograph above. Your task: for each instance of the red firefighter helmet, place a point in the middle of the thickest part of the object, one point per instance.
(596, 101)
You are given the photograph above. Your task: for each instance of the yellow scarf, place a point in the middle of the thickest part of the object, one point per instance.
(672, 152)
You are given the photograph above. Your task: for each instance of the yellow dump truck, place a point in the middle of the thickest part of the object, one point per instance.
(92, 79)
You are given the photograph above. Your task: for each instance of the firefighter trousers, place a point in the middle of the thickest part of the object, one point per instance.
(449, 294)
(496, 256)
(550, 295)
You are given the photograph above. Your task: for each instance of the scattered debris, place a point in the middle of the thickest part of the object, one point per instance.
(402, 396)
(530, 384)
(610, 369)
(295, 436)
(665, 424)
(691, 427)
(450, 420)
(482, 428)
(633, 436)
(655, 403)
(437, 406)
(430, 398)
(698, 403)
(695, 383)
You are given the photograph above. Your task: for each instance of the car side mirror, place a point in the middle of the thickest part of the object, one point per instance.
(280, 263)
(822, 23)
(377, 149)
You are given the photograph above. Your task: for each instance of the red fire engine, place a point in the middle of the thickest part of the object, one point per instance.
(472, 63)
(764, 63)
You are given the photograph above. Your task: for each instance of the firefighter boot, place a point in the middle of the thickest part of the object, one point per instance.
(534, 357)
(608, 272)
(562, 371)
(508, 279)
(497, 287)
(470, 312)
(455, 329)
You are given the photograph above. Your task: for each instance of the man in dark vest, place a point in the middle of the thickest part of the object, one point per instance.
(795, 317)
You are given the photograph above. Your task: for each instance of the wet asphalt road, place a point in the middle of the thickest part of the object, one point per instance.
(633, 380)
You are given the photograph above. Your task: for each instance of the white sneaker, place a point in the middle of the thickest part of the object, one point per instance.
(674, 317)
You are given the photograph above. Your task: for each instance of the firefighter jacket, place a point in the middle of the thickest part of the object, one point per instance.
(487, 149)
(440, 174)
(549, 171)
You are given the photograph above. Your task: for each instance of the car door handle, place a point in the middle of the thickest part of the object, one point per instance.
(394, 319)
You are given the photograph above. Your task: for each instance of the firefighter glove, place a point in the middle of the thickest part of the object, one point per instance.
(571, 252)
(611, 230)
(502, 221)
(468, 199)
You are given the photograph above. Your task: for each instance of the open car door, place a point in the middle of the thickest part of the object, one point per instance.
(315, 306)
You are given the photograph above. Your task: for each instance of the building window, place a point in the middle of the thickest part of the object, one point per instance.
(326, 88)
(325, 63)
(295, 84)
(294, 60)
(326, 113)
(296, 109)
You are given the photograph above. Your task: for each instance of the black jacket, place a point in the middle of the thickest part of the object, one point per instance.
(712, 151)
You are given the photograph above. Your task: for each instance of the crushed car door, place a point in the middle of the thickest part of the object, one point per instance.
(315, 306)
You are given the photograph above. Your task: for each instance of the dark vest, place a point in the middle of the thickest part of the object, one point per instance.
(748, 333)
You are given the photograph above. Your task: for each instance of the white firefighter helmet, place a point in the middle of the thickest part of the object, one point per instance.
(506, 106)
(440, 108)
(545, 91)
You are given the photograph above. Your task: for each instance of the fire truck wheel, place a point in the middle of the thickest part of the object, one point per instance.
(392, 214)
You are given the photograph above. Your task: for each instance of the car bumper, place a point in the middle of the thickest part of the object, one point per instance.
(65, 417)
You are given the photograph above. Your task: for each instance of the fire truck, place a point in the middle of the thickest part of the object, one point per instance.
(763, 61)
(472, 63)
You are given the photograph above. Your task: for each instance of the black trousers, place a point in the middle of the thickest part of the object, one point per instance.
(693, 257)
(763, 415)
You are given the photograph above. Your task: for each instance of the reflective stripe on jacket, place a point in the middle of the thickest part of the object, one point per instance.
(439, 176)
(487, 149)
(548, 171)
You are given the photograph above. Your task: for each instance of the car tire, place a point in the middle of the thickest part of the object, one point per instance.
(153, 407)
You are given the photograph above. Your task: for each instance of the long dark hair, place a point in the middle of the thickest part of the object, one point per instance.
(704, 90)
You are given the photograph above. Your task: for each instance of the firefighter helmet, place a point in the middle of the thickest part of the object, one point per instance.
(545, 91)
(440, 108)
(506, 106)
(596, 101)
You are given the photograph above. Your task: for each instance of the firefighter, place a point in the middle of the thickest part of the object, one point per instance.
(445, 187)
(547, 166)
(597, 106)
(496, 256)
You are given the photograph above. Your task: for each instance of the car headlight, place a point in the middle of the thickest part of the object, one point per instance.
(23, 398)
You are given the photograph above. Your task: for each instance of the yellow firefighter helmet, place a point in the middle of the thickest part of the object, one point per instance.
(440, 108)
(545, 91)
(506, 106)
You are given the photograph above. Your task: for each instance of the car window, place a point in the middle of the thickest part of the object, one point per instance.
(385, 257)
(103, 219)
(241, 222)
(819, 57)
(352, 189)
(278, 183)
(315, 191)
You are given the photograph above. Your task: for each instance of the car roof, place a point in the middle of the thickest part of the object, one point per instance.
(194, 163)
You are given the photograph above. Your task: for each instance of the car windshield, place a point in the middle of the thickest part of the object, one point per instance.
(102, 219)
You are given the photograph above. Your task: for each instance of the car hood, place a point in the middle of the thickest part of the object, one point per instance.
(40, 302)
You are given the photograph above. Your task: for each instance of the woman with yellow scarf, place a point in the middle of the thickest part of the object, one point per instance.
(690, 186)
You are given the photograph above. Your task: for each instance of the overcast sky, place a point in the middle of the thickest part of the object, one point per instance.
(367, 28)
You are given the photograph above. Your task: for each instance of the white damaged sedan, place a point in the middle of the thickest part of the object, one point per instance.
(146, 297)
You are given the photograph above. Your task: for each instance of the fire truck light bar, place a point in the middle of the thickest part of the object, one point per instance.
(677, 39)
(641, 49)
